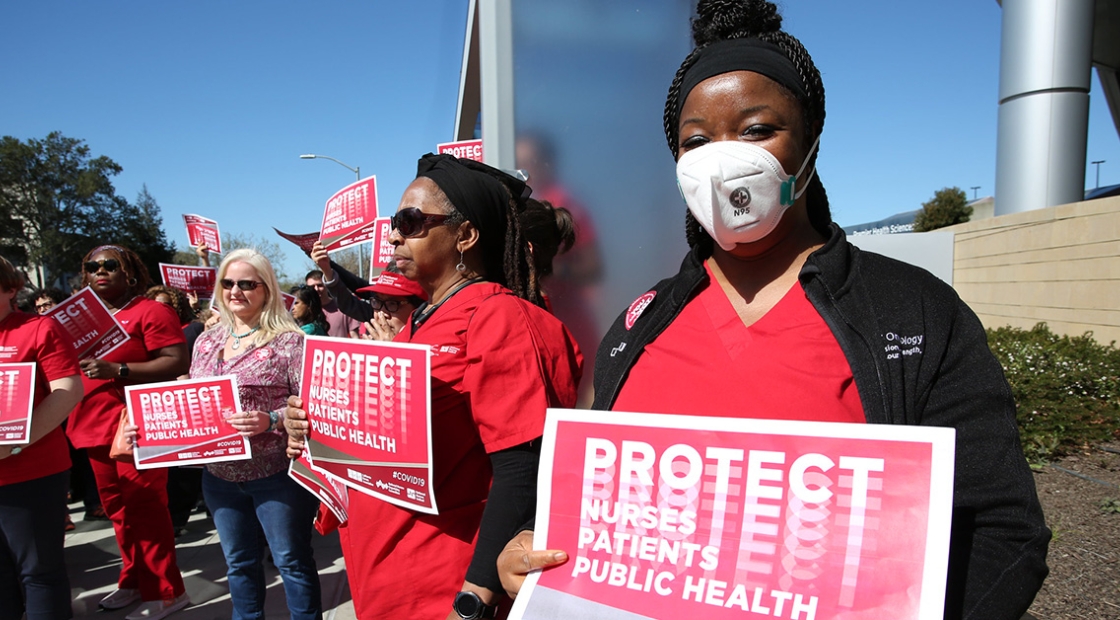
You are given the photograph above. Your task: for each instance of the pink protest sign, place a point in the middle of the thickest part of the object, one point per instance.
(17, 399)
(331, 492)
(197, 280)
(305, 241)
(288, 299)
(91, 327)
(667, 516)
(184, 422)
(465, 149)
(369, 404)
(382, 253)
(203, 230)
(349, 215)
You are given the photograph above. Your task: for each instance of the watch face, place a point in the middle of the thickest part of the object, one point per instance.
(467, 604)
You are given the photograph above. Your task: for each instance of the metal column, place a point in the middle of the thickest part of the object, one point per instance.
(495, 29)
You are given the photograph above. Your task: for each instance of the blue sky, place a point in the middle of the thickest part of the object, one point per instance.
(211, 103)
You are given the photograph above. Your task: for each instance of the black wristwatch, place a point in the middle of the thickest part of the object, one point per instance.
(469, 606)
(123, 371)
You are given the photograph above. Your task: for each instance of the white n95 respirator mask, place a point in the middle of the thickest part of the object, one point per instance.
(738, 191)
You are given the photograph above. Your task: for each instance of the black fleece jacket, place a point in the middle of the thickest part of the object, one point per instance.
(919, 356)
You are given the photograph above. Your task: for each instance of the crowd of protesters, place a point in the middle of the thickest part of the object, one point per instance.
(770, 299)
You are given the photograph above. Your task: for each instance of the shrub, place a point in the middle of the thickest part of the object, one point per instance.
(1067, 389)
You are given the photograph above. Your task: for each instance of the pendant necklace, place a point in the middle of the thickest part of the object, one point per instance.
(237, 337)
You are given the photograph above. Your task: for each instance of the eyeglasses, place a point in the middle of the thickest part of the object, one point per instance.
(411, 221)
(245, 285)
(110, 265)
(44, 306)
(389, 305)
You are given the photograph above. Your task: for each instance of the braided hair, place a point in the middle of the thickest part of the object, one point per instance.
(718, 20)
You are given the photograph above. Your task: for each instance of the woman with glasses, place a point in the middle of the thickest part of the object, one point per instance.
(33, 475)
(499, 359)
(307, 310)
(258, 342)
(392, 299)
(134, 500)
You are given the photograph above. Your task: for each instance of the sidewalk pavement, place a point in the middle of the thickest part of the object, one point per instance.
(94, 565)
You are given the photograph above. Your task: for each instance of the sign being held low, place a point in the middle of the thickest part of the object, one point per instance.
(666, 516)
(184, 422)
(17, 399)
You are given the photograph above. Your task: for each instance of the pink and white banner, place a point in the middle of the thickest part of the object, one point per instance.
(666, 516)
(92, 329)
(186, 422)
(369, 404)
(17, 400)
(349, 215)
(197, 280)
(332, 493)
(464, 149)
(203, 230)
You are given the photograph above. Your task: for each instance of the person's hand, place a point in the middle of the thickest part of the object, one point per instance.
(130, 432)
(295, 447)
(213, 320)
(380, 328)
(322, 259)
(192, 298)
(6, 451)
(203, 252)
(295, 419)
(518, 559)
(97, 369)
(249, 423)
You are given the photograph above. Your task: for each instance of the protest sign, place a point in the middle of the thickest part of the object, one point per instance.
(666, 516)
(203, 230)
(197, 280)
(383, 251)
(350, 214)
(186, 422)
(305, 241)
(332, 493)
(92, 329)
(369, 404)
(464, 149)
(288, 299)
(17, 399)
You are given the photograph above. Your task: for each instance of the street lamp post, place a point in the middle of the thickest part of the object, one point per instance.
(1098, 165)
(357, 177)
(974, 188)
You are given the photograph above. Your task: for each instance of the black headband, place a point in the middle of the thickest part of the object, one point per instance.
(751, 54)
(481, 193)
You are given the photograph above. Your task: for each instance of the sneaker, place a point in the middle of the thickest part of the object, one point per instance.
(96, 514)
(157, 610)
(119, 599)
(70, 527)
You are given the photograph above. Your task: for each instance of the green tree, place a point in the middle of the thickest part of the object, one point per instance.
(947, 207)
(57, 202)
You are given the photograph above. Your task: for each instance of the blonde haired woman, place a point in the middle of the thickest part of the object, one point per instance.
(258, 342)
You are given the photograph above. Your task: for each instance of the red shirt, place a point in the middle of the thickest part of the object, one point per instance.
(497, 363)
(151, 326)
(31, 338)
(787, 365)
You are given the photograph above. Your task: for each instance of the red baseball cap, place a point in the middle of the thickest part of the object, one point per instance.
(394, 284)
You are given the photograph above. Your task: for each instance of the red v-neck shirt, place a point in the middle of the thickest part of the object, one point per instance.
(786, 366)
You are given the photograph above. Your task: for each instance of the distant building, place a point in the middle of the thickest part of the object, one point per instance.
(982, 208)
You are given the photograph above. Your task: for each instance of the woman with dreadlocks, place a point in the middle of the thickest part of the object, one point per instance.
(777, 308)
(499, 359)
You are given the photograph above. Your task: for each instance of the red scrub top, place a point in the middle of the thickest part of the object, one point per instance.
(497, 363)
(31, 338)
(151, 326)
(786, 366)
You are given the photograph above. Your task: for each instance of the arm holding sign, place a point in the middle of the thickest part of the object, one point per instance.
(518, 559)
(66, 393)
(165, 364)
(347, 302)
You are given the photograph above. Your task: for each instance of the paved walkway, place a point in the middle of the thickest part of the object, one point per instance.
(94, 562)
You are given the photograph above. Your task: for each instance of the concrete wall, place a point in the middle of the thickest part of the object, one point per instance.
(1060, 265)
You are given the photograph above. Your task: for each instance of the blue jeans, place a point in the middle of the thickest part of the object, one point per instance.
(285, 512)
(32, 567)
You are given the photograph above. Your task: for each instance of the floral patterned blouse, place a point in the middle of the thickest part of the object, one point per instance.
(266, 376)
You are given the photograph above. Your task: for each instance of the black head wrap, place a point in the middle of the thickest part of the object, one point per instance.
(481, 193)
(742, 55)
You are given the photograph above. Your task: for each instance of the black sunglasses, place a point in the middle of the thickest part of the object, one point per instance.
(245, 285)
(110, 265)
(411, 221)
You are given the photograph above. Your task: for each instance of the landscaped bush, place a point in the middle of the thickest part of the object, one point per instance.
(1067, 389)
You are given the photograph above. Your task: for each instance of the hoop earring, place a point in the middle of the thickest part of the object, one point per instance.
(132, 281)
(460, 267)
